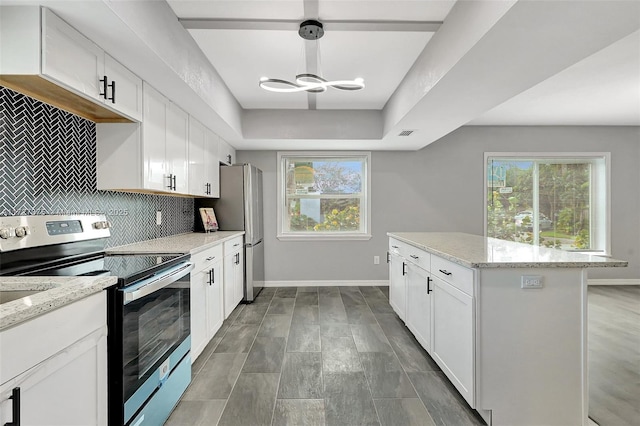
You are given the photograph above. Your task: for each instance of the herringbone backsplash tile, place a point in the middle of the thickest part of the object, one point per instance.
(48, 166)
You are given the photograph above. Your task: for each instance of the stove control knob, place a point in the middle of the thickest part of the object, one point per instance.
(5, 233)
(103, 224)
(21, 231)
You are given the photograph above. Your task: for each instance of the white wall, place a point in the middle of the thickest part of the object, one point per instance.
(440, 188)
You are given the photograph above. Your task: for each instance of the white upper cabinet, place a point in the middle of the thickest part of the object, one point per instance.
(154, 141)
(226, 153)
(212, 163)
(124, 88)
(197, 182)
(46, 58)
(204, 167)
(177, 145)
(147, 157)
(70, 58)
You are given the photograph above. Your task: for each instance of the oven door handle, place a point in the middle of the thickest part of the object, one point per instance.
(153, 286)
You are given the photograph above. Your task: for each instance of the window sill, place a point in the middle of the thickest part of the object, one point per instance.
(323, 237)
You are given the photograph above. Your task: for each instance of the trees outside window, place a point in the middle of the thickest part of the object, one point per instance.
(323, 195)
(559, 201)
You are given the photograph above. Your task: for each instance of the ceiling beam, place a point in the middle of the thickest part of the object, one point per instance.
(294, 25)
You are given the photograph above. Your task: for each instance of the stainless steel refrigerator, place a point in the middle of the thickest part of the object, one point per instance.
(239, 208)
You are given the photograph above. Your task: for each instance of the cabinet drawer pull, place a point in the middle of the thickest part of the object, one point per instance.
(15, 407)
(394, 247)
(444, 271)
(413, 256)
(210, 258)
(236, 244)
(104, 87)
(113, 93)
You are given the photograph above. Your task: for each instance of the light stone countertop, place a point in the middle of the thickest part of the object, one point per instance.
(54, 292)
(182, 243)
(474, 251)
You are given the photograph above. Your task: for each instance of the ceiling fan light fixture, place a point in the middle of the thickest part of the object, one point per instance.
(308, 82)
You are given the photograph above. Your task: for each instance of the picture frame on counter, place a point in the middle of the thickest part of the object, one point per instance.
(209, 221)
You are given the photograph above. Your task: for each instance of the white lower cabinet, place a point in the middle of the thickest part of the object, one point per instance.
(434, 297)
(452, 339)
(58, 364)
(397, 285)
(419, 295)
(206, 298)
(233, 274)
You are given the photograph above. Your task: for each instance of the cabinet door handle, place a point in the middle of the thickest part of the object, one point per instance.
(103, 93)
(211, 277)
(413, 256)
(113, 92)
(404, 270)
(444, 271)
(229, 158)
(388, 258)
(173, 179)
(170, 177)
(428, 286)
(206, 189)
(237, 258)
(15, 407)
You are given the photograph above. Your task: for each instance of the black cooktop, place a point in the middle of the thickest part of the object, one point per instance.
(134, 267)
(128, 268)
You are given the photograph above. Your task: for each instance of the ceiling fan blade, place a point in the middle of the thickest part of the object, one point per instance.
(293, 25)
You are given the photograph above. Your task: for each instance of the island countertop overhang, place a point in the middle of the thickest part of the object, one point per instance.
(475, 251)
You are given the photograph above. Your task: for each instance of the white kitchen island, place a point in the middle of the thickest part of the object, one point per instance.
(506, 322)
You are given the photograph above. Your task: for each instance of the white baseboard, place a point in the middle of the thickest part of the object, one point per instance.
(619, 281)
(385, 283)
(326, 283)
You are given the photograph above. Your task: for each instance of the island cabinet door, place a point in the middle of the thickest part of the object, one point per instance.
(419, 294)
(452, 339)
(397, 285)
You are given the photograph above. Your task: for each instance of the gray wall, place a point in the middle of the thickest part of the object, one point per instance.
(440, 188)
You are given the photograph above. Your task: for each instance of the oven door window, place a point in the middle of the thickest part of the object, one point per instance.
(153, 327)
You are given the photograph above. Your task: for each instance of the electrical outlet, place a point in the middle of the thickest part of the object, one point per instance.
(376, 260)
(158, 218)
(531, 281)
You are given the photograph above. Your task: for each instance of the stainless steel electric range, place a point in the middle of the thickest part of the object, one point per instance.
(149, 362)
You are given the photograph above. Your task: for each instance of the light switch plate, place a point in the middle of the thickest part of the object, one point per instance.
(531, 281)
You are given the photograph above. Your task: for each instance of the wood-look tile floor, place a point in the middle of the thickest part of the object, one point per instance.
(318, 356)
(614, 355)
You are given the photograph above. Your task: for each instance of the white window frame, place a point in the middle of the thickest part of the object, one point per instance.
(603, 233)
(365, 208)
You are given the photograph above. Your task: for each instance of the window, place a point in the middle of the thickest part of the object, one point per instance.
(556, 200)
(323, 195)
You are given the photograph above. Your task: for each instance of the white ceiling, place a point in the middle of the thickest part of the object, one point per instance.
(600, 88)
(490, 62)
(243, 56)
(603, 89)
